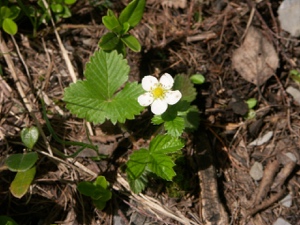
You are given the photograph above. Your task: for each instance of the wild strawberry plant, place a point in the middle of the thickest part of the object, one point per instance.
(106, 94)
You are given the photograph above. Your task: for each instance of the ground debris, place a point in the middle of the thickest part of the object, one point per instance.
(256, 60)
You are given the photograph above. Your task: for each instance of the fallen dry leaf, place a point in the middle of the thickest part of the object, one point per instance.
(256, 59)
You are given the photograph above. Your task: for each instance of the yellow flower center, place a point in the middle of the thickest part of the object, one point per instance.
(158, 92)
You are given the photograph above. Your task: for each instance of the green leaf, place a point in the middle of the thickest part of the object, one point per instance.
(121, 49)
(9, 26)
(251, 102)
(131, 42)
(86, 188)
(99, 204)
(56, 8)
(109, 41)
(295, 75)
(153, 160)
(191, 118)
(250, 115)
(157, 119)
(162, 166)
(6, 220)
(29, 136)
(21, 162)
(95, 99)
(14, 12)
(139, 184)
(21, 183)
(66, 12)
(101, 181)
(175, 127)
(69, 2)
(164, 144)
(5, 12)
(133, 12)
(137, 163)
(111, 22)
(125, 28)
(186, 87)
(97, 191)
(197, 79)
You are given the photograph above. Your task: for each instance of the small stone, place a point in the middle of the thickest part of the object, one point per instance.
(262, 140)
(295, 93)
(291, 156)
(287, 201)
(289, 17)
(256, 171)
(281, 221)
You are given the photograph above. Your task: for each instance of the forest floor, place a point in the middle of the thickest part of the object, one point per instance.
(242, 52)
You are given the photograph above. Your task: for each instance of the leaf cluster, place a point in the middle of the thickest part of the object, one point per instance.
(118, 37)
(23, 163)
(155, 160)
(97, 190)
(8, 15)
(38, 13)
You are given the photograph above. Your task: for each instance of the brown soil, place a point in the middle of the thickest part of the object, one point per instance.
(215, 185)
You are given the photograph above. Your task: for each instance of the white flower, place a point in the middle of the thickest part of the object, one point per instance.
(158, 93)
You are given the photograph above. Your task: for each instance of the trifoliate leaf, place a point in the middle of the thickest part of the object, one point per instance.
(186, 87)
(95, 98)
(162, 165)
(165, 144)
(153, 160)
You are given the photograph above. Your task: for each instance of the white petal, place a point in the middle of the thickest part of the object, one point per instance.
(166, 81)
(172, 97)
(145, 99)
(158, 107)
(149, 82)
